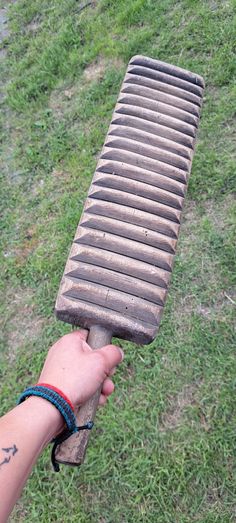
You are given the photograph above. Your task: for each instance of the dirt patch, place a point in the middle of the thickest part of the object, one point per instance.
(95, 70)
(223, 300)
(29, 243)
(28, 246)
(219, 213)
(23, 324)
(220, 304)
(56, 173)
(63, 99)
(34, 25)
(19, 512)
(174, 415)
(128, 373)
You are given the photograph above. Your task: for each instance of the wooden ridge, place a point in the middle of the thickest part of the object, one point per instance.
(119, 267)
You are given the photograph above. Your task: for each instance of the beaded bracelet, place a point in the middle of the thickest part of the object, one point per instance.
(64, 406)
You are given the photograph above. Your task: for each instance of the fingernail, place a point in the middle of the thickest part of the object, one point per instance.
(122, 353)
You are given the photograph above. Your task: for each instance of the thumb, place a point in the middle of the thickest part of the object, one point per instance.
(112, 356)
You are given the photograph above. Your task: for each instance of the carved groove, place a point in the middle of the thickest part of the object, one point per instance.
(131, 77)
(133, 249)
(151, 93)
(135, 202)
(150, 140)
(147, 151)
(130, 231)
(166, 79)
(163, 108)
(161, 118)
(138, 331)
(113, 299)
(164, 130)
(121, 168)
(134, 216)
(168, 69)
(121, 282)
(144, 162)
(151, 130)
(121, 264)
(139, 189)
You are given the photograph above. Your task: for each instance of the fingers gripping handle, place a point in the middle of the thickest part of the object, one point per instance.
(72, 451)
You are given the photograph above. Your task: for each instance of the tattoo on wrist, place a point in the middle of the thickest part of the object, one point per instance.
(7, 453)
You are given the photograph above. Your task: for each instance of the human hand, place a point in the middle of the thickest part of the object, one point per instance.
(77, 370)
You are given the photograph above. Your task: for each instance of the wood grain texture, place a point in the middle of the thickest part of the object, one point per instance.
(172, 70)
(135, 76)
(112, 279)
(149, 92)
(142, 203)
(146, 150)
(164, 151)
(134, 172)
(185, 120)
(119, 267)
(166, 78)
(130, 231)
(167, 126)
(137, 188)
(121, 264)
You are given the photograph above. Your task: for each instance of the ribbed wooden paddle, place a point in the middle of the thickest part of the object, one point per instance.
(117, 275)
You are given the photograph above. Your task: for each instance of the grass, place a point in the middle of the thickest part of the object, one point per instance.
(164, 449)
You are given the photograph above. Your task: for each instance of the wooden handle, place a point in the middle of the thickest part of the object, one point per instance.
(72, 451)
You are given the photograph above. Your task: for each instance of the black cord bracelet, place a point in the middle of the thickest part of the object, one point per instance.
(63, 405)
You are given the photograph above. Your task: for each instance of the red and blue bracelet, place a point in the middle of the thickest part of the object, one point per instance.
(64, 406)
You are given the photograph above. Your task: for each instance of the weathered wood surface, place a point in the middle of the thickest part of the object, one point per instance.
(130, 224)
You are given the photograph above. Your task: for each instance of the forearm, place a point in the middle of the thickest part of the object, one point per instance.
(24, 432)
(71, 366)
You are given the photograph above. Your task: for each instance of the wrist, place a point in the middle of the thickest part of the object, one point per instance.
(49, 418)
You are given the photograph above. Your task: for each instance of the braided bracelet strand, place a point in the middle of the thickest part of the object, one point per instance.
(64, 406)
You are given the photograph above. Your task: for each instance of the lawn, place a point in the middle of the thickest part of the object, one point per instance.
(163, 450)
